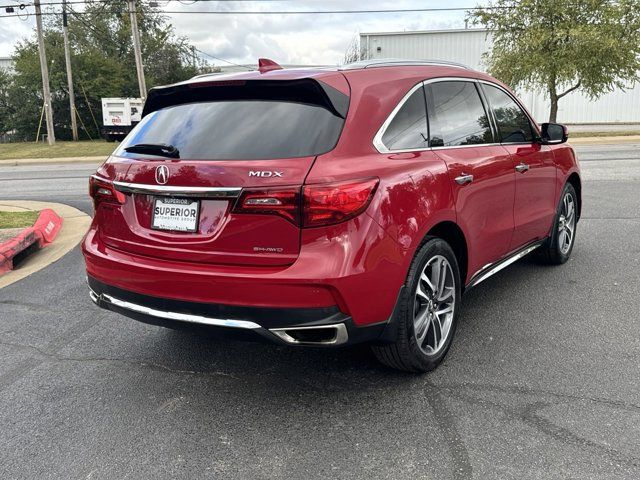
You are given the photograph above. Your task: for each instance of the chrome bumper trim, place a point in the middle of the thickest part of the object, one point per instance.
(209, 192)
(182, 317)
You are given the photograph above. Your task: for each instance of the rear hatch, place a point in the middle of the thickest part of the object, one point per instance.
(225, 188)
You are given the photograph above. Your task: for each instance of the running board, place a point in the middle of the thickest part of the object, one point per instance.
(489, 270)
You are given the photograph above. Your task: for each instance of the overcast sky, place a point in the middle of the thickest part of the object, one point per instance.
(293, 39)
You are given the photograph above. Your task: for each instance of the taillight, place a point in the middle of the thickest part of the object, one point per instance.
(102, 191)
(284, 202)
(326, 204)
(319, 205)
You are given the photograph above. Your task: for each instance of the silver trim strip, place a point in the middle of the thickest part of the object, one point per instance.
(381, 148)
(182, 317)
(209, 192)
(494, 268)
(398, 62)
(341, 335)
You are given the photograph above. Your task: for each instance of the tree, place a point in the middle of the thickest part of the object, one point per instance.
(5, 104)
(352, 53)
(103, 65)
(592, 46)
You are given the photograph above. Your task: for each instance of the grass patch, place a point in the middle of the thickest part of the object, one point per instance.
(18, 219)
(620, 133)
(86, 148)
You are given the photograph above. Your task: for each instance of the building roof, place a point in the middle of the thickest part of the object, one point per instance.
(425, 32)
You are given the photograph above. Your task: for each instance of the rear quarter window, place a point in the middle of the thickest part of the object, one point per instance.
(239, 130)
(408, 129)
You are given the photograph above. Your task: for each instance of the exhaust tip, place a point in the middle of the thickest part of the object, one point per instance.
(320, 335)
(94, 296)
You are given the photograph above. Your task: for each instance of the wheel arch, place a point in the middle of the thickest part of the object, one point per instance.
(451, 233)
(574, 180)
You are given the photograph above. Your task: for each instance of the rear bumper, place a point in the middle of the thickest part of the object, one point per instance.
(322, 327)
(360, 278)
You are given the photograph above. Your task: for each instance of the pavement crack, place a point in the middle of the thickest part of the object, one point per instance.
(528, 414)
(127, 361)
(514, 389)
(446, 421)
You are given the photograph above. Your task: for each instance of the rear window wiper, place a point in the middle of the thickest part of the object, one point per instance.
(160, 149)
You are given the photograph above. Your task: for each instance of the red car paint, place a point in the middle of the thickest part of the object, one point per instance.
(358, 265)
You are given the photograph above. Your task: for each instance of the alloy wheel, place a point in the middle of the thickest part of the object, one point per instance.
(434, 305)
(566, 223)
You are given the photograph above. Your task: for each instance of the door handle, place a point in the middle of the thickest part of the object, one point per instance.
(464, 179)
(523, 167)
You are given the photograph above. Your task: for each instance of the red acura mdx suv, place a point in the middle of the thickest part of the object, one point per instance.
(326, 207)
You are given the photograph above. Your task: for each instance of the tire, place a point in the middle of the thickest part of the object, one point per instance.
(557, 250)
(416, 310)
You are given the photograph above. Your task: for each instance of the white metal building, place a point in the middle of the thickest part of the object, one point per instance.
(6, 63)
(467, 47)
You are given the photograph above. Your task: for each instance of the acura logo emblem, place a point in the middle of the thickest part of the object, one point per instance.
(162, 174)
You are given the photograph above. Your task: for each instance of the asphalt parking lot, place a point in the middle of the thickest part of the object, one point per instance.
(542, 381)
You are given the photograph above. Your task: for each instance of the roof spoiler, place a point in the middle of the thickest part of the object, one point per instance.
(304, 90)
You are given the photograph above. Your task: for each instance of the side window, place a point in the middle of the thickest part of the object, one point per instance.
(513, 124)
(456, 115)
(408, 129)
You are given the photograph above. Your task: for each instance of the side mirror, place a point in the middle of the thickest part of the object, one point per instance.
(553, 134)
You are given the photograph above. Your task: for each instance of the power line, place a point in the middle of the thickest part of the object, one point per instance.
(89, 2)
(320, 12)
(290, 12)
(300, 12)
(222, 59)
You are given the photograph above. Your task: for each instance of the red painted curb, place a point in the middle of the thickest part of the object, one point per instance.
(43, 232)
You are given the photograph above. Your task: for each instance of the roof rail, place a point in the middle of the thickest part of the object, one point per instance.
(393, 62)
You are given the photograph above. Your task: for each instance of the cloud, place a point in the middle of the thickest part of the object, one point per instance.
(301, 39)
(12, 30)
(293, 39)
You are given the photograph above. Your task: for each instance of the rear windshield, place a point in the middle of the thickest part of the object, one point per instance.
(239, 130)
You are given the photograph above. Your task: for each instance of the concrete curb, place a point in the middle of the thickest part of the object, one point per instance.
(43, 232)
(47, 161)
(74, 225)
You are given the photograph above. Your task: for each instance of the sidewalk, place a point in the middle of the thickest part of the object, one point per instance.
(613, 140)
(74, 224)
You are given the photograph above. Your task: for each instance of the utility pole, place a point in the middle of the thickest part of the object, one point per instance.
(136, 48)
(67, 59)
(46, 92)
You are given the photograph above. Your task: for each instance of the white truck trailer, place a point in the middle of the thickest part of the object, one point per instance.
(119, 116)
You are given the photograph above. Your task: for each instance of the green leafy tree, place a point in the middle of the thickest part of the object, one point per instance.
(102, 62)
(592, 46)
(5, 104)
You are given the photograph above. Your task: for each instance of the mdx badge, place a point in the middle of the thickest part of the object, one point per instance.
(265, 173)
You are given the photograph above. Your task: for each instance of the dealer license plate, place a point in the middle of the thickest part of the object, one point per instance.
(175, 214)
